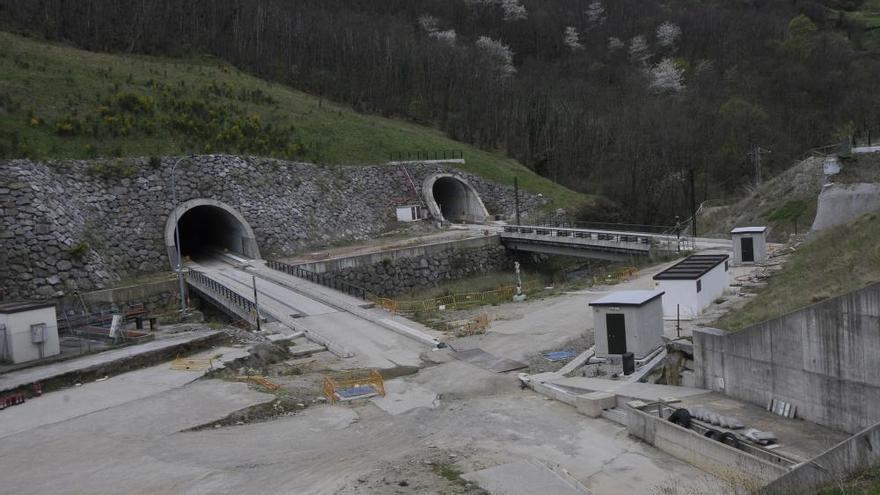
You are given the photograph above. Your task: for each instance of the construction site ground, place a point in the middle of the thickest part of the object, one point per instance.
(161, 430)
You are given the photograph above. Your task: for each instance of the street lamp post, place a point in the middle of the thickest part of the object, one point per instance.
(177, 233)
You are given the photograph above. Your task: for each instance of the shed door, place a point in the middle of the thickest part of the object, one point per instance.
(615, 324)
(748, 249)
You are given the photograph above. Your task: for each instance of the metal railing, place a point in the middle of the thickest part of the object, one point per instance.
(636, 241)
(618, 227)
(325, 279)
(399, 156)
(221, 293)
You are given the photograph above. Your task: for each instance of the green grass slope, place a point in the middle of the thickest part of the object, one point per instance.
(60, 102)
(837, 261)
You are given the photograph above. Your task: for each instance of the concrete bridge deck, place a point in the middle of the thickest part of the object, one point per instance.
(369, 337)
(591, 243)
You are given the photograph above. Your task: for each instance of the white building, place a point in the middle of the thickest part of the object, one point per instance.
(692, 284)
(411, 213)
(749, 245)
(628, 321)
(28, 331)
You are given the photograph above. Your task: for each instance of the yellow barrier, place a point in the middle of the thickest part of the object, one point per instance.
(452, 301)
(352, 379)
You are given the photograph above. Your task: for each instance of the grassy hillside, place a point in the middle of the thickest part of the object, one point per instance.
(837, 261)
(59, 102)
(786, 202)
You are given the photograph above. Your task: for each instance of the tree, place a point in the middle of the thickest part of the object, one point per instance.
(667, 34)
(572, 39)
(666, 77)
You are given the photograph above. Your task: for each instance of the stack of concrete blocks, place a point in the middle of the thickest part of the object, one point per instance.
(593, 403)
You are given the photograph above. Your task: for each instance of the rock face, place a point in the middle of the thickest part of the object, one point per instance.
(68, 225)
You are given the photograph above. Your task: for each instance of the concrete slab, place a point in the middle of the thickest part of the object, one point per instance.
(643, 391)
(526, 477)
(491, 362)
(73, 402)
(402, 396)
(15, 379)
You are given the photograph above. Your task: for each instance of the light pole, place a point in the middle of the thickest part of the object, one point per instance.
(177, 233)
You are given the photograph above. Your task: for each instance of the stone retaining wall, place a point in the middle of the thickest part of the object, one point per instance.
(84, 224)
(392, 273)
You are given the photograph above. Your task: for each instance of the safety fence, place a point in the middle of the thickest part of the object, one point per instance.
(233, 301)
(400, 156)
(325, 279)
(453, 301)
(353, 384)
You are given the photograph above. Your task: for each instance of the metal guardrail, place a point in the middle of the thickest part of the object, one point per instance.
(327, 280)
(636, 241)
(618, 227)
(221, 292)
(400, 156)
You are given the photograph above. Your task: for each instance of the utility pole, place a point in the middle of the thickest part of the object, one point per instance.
(177, 234)
(516, 197)
(693, 204)
(755, 155)
(256, 304)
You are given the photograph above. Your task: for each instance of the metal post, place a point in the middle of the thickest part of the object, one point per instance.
(516, 197)
(177, 233)
(693, 205)
(256, 304)
(678, 320)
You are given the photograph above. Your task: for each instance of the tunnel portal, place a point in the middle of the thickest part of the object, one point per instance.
(452, 199)
(206, 227)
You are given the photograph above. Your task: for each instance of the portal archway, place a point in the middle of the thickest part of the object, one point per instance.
(451, 198)
(207, 226)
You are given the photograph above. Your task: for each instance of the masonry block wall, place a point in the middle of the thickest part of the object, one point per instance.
(86, 224)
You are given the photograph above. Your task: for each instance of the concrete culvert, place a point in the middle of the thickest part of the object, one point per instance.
(207, 226)
(451, 198)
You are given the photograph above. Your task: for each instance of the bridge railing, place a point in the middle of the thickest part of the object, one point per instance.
(616, 227)
(325, 279)
(222, 294)
(628, 240)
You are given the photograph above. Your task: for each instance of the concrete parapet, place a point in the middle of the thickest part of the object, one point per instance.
(594, 403)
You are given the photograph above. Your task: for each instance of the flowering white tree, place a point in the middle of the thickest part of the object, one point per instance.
(428, 22)
(499, 53)
(513, 10)
(572, 39)
(638, 49)
(615, 44)
(666, 77)
(595, 13)
(667, 34)
(448, 36)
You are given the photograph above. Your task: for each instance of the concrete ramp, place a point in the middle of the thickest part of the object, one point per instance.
(526, 477)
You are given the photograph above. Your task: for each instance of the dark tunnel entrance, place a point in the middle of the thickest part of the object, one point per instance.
(207, 227)
(455, 200)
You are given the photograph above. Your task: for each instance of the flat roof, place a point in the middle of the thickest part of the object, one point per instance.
(628, 298)
(692, 267)
(748, 230)
(20, 306)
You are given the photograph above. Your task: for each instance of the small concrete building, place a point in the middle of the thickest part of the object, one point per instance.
(749, 245)
(692, 284)
(411, 213)
(628, 321)
(28, 331)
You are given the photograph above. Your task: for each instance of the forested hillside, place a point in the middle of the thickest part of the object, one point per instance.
(622, 97)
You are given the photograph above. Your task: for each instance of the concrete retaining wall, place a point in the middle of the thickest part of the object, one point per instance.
(711, 456)
(823, 359)
(854, 454)
(396, 272)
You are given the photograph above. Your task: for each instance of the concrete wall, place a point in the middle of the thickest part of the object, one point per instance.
(155, 296)
(823, 359)
(396, 272)
(87, 224)
(849, 457)
(709, 455)
(17, 344)
(644, 327)
(683, 293)
(843, 203)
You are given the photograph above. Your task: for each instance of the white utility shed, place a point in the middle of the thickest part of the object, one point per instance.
(692, 284)
(28, 331)
(628, 321)
(410, 213)
(749, 244)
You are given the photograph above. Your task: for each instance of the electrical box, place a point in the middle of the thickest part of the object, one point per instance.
(38, 333)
